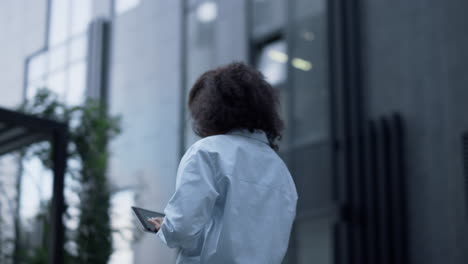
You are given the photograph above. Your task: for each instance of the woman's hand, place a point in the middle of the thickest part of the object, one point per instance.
(157, 222)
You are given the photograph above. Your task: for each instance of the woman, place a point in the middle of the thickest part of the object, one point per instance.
(235, 200)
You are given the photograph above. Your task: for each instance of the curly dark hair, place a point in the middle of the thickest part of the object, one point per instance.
(235, 96)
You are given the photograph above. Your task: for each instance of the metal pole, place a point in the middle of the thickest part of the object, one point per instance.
(59, 154)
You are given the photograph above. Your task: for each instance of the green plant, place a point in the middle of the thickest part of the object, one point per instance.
(90, 130)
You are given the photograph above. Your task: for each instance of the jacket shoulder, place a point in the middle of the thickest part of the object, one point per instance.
(210, 144)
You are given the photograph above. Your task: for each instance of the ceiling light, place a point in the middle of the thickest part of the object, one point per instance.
(207, 12)
(278, 56)
(301, 64)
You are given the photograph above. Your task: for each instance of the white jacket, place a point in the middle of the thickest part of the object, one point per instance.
(235, 202)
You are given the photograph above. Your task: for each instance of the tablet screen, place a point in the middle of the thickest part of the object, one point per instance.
(143, 215)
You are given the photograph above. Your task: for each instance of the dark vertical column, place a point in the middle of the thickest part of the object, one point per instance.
(348, 122)
(383, 193)
(398, 190)
(370, 206)
(183, 76)
(354, 126)
(98, 59)
(59, 157)
(465, 167)
(337, 110)
(385, 218)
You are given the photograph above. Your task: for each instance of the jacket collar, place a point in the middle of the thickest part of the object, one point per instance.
(257, 134)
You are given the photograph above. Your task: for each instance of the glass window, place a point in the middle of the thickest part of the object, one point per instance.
(37, 67)
(57, 82)
(201, 40)
(268, 16)
(36, 194)
(309, 73)
(36, 188)
(76, 83)
(78, 48)
(272, 62)
(33, 86)
(307, 8)
(36, 75)
(81, 15)
(62, 68)
(200, 50)
(310, 149)
(59, 21)
(57, 58)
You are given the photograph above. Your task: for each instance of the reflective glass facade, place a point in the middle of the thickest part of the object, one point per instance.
(292, 53)
(200, 25)
(62, 68)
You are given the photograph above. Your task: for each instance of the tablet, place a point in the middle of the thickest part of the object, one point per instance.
(143, 215)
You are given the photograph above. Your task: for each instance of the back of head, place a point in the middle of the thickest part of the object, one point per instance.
(235, 96)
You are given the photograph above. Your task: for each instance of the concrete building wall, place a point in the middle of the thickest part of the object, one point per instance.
(415, 60)
(22, 25)
(145, 88)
